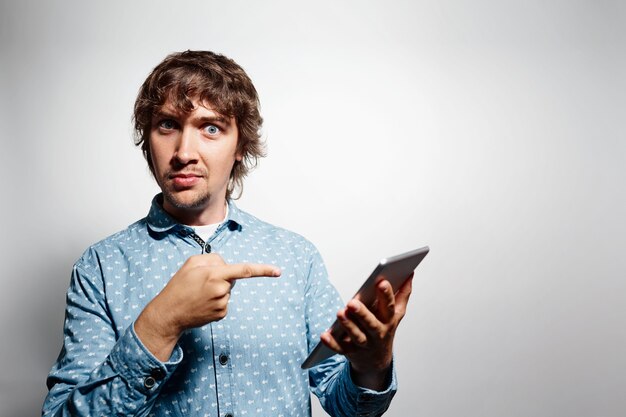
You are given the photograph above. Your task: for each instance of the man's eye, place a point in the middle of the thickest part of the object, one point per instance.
(212, 129)
(167, 124)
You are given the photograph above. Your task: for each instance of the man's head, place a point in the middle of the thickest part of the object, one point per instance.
(184, 80)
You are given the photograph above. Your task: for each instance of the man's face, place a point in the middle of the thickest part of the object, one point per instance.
(192, 156)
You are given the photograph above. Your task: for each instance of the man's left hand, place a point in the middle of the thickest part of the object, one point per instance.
(368, 343)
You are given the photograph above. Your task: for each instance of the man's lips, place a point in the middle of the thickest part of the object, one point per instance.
(185, 180)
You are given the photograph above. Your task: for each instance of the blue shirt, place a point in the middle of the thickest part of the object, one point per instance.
(247, 364)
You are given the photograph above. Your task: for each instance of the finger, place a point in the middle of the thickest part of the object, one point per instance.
(352, 330)
(342, 346)
(363, 318)
(241, 271)
(218, 289)
(331, 342)
(402, 296)
(385, 301)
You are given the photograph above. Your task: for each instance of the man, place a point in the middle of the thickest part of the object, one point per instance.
(201, 309)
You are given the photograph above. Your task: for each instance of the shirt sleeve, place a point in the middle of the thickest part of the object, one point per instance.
(331, 381)
(99, 373)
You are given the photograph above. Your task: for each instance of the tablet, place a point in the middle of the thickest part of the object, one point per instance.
(396, 270)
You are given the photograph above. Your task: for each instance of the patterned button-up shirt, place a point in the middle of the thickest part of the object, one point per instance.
(247, 364)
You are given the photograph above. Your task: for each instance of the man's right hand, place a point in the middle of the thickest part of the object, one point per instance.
(196, 295)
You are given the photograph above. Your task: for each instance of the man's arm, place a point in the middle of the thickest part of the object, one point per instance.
(99, 372)
(196, 295)
(99, 375)
(338, 387)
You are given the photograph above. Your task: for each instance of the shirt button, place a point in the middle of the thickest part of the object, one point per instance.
(207, 248)
(223, 359)
(149, 382)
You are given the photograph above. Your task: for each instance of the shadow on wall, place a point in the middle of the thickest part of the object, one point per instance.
(34, 335)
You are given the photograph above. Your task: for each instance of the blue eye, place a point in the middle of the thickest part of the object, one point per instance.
(212, 129)
(167, 124)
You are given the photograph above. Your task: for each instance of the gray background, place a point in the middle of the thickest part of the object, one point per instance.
(492, 131)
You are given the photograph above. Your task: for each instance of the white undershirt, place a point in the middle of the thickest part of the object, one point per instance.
(206, 231)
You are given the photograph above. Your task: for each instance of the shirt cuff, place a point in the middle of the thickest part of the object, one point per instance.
(139, 367)
(370, 402)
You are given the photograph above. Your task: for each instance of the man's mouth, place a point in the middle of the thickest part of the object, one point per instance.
(184, 180)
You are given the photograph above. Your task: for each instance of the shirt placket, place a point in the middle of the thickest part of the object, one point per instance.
(220, 346)
(223, 369)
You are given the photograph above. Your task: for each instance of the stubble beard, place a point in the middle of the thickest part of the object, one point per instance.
(192, 199)
(181, 201)
(195, 204)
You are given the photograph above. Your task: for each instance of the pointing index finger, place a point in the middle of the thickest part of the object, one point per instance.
(241, 271)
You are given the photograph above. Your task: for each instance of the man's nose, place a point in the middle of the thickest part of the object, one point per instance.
(186, 149)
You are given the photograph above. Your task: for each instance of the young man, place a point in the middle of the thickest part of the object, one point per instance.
(155, 324)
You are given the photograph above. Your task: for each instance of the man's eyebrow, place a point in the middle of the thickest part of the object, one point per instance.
(161, 114)
(216, 118)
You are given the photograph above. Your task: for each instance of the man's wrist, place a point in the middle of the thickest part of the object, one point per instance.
(155, 334)
(376, 380)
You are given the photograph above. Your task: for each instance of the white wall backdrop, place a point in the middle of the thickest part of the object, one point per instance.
(492, 131)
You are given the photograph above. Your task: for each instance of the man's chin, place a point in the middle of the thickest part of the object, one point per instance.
(186, 200)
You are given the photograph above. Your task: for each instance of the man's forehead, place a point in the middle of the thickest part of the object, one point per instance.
(201, 108)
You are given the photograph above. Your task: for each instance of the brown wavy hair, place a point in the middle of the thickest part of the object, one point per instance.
(211, 78)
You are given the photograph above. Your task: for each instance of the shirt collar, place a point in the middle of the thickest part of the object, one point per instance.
(161, 222)
(235, 217)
